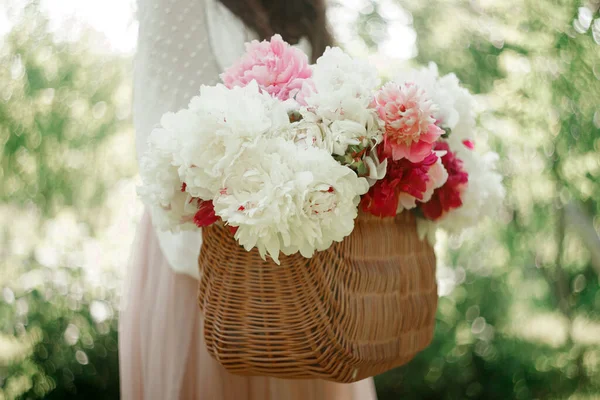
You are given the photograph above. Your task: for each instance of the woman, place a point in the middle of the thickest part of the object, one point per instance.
(183, 44)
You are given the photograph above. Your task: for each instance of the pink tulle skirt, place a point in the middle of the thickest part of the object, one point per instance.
(161, 346)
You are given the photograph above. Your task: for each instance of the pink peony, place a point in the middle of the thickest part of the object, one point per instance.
(410, 129)
(278, 68)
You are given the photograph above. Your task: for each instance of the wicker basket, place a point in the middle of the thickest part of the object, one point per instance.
(362, 307)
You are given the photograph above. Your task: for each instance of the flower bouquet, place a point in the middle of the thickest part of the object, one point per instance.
(316, 188)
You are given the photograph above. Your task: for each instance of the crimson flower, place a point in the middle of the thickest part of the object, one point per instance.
(402, 176)
(205, 215)
(448, 196)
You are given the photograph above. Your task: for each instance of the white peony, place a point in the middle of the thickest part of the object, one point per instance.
(195, 145)
(482, 198)
(483, 195)
(339, 81)
(336, 135)
(212, 133)
(339, 96)
(288, 198)
(307, 133)
(171, 209)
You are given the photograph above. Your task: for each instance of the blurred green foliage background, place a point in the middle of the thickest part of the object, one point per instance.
(519, 316)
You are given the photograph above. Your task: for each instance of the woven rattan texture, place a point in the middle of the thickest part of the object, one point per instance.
(360, 308)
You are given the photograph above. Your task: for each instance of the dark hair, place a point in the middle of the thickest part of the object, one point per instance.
(292, 19)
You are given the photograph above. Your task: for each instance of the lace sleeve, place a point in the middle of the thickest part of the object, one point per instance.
(227, 33)
(174, 57)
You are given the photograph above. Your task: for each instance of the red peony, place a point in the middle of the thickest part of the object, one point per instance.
(448, 196)
(205, 215)
(402, 176)
(381, 200)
